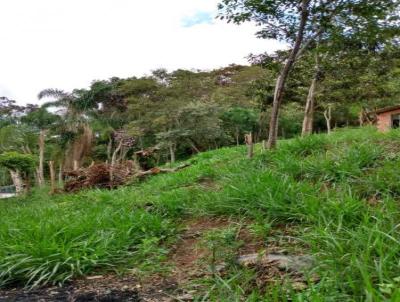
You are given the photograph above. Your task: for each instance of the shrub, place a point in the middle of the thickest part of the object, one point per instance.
(17, 161)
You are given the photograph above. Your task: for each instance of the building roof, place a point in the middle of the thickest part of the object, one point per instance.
(387, 109)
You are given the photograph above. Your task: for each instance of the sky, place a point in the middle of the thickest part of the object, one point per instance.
(67, 44)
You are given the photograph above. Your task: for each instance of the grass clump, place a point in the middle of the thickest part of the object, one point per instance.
(54, 240)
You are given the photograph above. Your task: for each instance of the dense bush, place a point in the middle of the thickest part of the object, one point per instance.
(17, 161)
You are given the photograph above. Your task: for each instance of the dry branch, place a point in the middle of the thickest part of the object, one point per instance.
(98, 175)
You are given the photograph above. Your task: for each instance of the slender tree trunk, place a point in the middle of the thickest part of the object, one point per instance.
(308, 120)
(40, 173)
(60, 175)
(361, 118)
(309, 110)
(172, 152)
(281, 81)
(53, 184)
(250, 146)
(122, 154)
(237, 136)
(262, 129)
(328, 118)
(109, 148)
(192, 144)
(17, 181)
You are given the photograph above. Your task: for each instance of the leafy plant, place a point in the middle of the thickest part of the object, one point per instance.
(17, 161)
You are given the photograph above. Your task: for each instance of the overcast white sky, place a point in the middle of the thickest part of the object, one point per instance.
(68, 43)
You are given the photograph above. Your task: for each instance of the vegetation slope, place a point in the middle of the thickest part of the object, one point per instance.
(337, 194)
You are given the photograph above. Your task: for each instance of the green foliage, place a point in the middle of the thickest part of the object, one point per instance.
(18, 137)
(40, 118)
(191, 111)
(280, 19)
(240, 121)
(17, 161)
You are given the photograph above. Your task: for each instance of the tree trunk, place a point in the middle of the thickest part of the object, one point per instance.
(281, 81)
(308, 120)
(262, 122)
(328, 118)
(17, 181)
(172, 152)
(60, 175)
(309, 110)
(77, 149)
(76, 165)
(40, 172)
(109, 148)
(237, 136)
(192, 144)
(250, 146)
(123, 153)
(53, 184)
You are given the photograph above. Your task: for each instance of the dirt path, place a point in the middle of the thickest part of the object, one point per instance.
(187, 259)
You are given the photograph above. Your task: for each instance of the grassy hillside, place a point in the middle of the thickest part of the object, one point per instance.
(335, 197)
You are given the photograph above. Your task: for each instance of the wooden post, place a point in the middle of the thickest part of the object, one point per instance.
(250, 146)
(52, 177)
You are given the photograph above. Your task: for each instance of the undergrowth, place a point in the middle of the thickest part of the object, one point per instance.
(340, 190)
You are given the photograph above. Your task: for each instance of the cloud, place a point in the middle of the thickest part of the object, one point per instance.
(66, 44)
(198, 18)
(4, 91)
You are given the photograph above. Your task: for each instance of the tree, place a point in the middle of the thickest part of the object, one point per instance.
(8, 111)
(300, 23)
(170, 140)
(239, 121)
(308, 121)
(354, 81)
(75, 130)
(18, 137)
(19, 165)
(42, 120)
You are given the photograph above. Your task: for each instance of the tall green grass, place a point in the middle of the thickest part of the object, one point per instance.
(340, 191)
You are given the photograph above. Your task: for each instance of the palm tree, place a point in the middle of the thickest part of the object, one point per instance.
(75, 131)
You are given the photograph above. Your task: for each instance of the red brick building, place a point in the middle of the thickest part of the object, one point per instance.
(388, 118)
